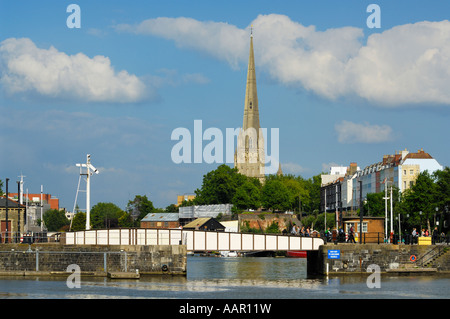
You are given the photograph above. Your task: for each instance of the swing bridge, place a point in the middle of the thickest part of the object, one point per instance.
(195, 240)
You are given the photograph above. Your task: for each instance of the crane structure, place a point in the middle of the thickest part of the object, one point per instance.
(90, 170)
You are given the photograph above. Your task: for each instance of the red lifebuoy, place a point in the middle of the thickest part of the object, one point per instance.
(413, 258)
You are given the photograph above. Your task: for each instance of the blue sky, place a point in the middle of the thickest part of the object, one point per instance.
(135, 71)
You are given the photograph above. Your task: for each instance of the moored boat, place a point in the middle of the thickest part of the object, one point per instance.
(296, 253)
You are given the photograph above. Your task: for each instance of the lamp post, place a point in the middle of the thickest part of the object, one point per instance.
(6, 210)
(420, 214)
(361, 208)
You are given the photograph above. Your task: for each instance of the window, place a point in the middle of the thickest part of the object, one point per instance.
(251, 104)
(404, 172)
(411, 172)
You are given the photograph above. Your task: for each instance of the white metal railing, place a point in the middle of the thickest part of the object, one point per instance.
(195, 240)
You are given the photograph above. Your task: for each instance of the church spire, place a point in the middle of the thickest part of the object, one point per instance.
(251, 111)
(249, 155)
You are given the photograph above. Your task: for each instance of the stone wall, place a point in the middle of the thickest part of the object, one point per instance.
(262, 221)
(355, 258)
(50, 259)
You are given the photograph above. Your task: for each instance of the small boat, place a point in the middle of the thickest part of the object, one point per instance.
(229, 254)
(296, 253)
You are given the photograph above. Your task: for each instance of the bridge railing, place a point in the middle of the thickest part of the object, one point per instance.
(195, 240)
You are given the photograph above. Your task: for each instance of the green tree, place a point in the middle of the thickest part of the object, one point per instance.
(421, 198)
(219, 186)
(55, 219)
(172, 208)
(79, 221)
(140, 207)
(247, 196)
(105, 215)
(275, 195)
(1, 185)
(311, 202)
(375, 204)
(442, 198)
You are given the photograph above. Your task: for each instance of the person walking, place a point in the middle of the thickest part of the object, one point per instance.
(435, 236)
(351, 237)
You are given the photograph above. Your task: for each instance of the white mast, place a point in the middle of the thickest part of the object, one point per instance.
(20, 195)
(90, 170)
(42, 206)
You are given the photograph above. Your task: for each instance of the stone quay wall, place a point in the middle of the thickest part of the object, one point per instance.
(54, 259)
(356, 258)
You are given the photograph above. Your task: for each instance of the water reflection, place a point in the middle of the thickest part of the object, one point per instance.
(237, 278)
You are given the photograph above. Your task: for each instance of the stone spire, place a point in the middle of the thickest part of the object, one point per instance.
(249, 156)
(251, 111)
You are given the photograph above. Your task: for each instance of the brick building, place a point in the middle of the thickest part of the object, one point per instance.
(36, 198)
(16, 217)
(160, 220)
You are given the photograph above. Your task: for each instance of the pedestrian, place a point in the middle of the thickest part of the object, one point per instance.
(435, 236)
(341, 235)
(414, 235)
(351, 237)
(293, 230)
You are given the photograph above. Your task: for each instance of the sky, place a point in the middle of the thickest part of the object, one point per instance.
(116, 79)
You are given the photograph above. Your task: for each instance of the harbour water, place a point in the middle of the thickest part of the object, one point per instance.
(231, 278)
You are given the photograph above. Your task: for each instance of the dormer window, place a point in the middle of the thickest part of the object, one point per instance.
(251, 105)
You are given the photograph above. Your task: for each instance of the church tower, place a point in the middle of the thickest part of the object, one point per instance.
(249, 155)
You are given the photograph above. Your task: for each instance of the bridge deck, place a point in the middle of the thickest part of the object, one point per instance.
(195, 240)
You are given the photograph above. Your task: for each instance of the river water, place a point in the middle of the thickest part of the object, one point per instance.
(231, 278)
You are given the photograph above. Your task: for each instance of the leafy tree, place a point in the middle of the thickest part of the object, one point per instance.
(55, 219)
(421, 198)
(219, 186)
(319, 222)
(172, 208)
(79, 221)
(140, 207)
(442, 178)
(375, 204)
(247, 196)
(105, 215)
(311, 201)
(1, 185)
(275, 195)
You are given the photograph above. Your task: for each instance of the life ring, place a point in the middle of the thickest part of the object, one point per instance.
(413, 258)
(164, 268)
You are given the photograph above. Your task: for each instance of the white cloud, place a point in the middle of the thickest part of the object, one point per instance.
(407, 64)
(51, 73)
(349, 133)
(218, 39)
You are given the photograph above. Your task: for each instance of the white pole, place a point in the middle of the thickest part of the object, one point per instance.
(325, 209)
(337, 203)
(42, 219)
(88, 196)
(26, 210)
(392, 222)
(21, 190)
(385, 211)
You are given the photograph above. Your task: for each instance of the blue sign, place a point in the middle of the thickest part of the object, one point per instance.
(334, 254)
